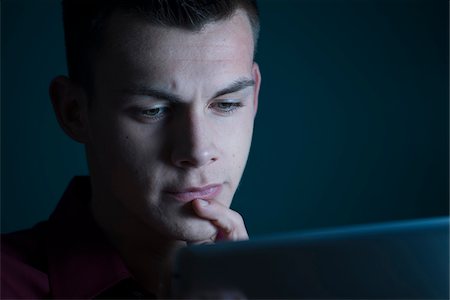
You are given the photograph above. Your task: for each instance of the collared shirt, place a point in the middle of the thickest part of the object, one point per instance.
(67, 256)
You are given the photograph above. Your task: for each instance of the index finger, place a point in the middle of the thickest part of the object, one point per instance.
(229, 223)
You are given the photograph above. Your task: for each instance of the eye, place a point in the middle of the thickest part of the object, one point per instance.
(226, 107)
(155, 113)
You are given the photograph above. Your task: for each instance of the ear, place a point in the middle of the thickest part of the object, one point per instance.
(70, 106)
(257, 78)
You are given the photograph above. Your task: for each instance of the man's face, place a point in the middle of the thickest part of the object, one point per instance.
(171, 120)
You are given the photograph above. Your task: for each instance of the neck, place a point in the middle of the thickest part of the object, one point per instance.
(146, 253)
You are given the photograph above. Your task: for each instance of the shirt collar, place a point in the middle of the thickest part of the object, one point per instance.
(82, 263)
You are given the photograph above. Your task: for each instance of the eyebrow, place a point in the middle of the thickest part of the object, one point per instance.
(236, 86)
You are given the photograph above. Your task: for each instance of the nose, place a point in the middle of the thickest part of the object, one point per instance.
(193, 144)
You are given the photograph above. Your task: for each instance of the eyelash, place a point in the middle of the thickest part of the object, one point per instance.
(230, 108)
(155, 117)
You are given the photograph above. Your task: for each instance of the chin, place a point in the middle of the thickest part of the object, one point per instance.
(193, 229)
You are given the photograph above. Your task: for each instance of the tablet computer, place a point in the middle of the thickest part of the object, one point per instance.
(403, 259)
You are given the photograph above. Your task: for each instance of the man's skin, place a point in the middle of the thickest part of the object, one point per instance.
(171, 114)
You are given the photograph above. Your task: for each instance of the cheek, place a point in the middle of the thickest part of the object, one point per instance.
(121, 149)
(239, 145)
(137, 152)
(133, 168)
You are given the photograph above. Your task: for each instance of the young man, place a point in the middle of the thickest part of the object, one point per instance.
(163, 95)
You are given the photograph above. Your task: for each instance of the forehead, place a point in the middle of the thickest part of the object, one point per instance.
(135, 52)
(133, 35)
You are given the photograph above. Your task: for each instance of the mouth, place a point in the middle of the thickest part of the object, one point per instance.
(188, 194)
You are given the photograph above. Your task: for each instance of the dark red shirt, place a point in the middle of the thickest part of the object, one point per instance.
(67, 256)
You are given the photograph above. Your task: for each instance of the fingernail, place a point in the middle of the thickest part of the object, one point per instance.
(203, 203)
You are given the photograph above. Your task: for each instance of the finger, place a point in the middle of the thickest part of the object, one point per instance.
(229, 223)
(211, 240)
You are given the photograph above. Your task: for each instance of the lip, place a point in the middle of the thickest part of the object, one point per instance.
(188, 194)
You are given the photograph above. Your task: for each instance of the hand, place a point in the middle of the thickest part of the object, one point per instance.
(230, 225)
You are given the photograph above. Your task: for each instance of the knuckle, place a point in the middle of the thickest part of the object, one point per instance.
(238, 218)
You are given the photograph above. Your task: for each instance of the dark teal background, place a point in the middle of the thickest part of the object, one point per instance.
(352, 124)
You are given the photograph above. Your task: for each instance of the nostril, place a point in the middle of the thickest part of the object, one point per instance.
(193, 160)
(186, 163)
